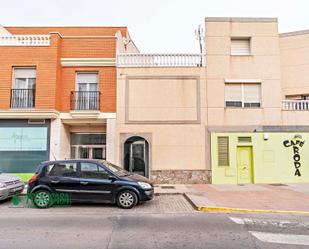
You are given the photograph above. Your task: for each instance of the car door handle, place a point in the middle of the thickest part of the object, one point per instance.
(84, 183)
(54, 181)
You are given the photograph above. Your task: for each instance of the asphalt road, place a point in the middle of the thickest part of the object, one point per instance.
(167, 222)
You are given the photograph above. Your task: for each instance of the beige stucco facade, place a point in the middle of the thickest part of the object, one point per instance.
(177, 109)
(166, 106)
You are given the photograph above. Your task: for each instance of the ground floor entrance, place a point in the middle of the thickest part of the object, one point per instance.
(136, 155)
(88, 151)
(244, 165)
(88, 146)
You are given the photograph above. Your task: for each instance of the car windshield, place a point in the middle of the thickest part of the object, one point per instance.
(115, 169)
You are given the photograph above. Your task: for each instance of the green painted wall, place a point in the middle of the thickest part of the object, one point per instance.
(24, 176)
(273, 162)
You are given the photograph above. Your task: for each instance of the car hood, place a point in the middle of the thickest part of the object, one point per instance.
(8, 178)
(136, 178)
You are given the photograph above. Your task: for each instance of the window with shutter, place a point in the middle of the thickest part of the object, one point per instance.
(24, 78)
(252, 95)
(223, 151)
(240, 46)
(243, 95)
(233, 95)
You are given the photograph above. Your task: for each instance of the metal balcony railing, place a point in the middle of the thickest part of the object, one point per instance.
(85, 100)
(22, 98)
(295, 105)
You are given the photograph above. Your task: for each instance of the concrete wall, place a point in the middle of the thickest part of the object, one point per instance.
(59, 140)
(294, 51)
(167, 107)
(262, 66)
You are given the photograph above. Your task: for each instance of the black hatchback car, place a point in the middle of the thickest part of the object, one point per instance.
(88, 181)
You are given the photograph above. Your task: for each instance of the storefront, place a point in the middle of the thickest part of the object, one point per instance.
(259, 157)
(23, 145)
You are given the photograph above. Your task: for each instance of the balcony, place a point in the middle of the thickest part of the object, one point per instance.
(25, 40)
(22, 98)
(85, 100)
(295, 105)
(160, 60)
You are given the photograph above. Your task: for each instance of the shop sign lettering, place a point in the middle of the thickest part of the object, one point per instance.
(296, 144)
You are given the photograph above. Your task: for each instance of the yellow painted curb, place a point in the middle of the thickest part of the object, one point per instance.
(243, 210)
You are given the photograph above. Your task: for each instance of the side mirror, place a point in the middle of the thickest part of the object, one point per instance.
(112, 178)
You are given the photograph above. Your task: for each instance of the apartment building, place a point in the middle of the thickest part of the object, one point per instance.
(58, 94)
(238, 114)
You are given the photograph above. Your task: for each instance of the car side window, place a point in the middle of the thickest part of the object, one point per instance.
(62, 170)
(91, 170)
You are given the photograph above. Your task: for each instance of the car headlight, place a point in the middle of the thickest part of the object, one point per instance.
(2, 185)
(144, 185)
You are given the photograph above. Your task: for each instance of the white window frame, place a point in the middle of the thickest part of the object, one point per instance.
(242, 84)
(249, 39)
(27, 79)
(87, 100)
(86, 72)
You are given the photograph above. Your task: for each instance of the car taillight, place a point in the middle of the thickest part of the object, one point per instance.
(32, 179)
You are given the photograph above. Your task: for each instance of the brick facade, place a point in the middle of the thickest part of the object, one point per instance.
(54, 82)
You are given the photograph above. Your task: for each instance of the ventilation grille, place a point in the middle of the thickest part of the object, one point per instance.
(223, 151)
(244, 140)
(36, 121)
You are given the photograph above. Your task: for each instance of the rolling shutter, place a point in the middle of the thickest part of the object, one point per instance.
(87, 78)
(223, 151)
(252, 93)
(24, 73)
(233, 92)
(240, 46)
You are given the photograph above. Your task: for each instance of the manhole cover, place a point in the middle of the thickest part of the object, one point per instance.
(167, 187)
(278, 184)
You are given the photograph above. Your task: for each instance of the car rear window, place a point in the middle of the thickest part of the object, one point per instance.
(62, 169)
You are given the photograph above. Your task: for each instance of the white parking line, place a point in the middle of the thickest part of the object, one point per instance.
(278, 223)
(290, 239)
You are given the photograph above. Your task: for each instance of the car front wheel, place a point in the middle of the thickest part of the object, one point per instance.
(42, 199)
(127, 199)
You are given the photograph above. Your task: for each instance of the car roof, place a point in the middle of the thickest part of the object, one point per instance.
(72, 161)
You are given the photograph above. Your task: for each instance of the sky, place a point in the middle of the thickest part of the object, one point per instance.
(156, 26)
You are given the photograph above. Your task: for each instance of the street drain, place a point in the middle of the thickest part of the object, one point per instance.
(167, 187)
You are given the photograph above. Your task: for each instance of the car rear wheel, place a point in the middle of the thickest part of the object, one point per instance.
(127, 199)
(42, 199)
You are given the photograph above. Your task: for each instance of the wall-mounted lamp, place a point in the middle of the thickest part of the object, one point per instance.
(266, 136)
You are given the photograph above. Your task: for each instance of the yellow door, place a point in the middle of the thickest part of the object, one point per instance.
(244, 165)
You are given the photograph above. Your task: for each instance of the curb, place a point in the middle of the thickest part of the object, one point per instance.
(244, 210)
(157, 194)
(239, 210)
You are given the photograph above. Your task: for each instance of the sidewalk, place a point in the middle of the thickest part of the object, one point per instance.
(247, 198)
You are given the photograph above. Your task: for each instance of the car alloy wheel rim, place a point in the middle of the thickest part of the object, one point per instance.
(42, 199)
(126, 199)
